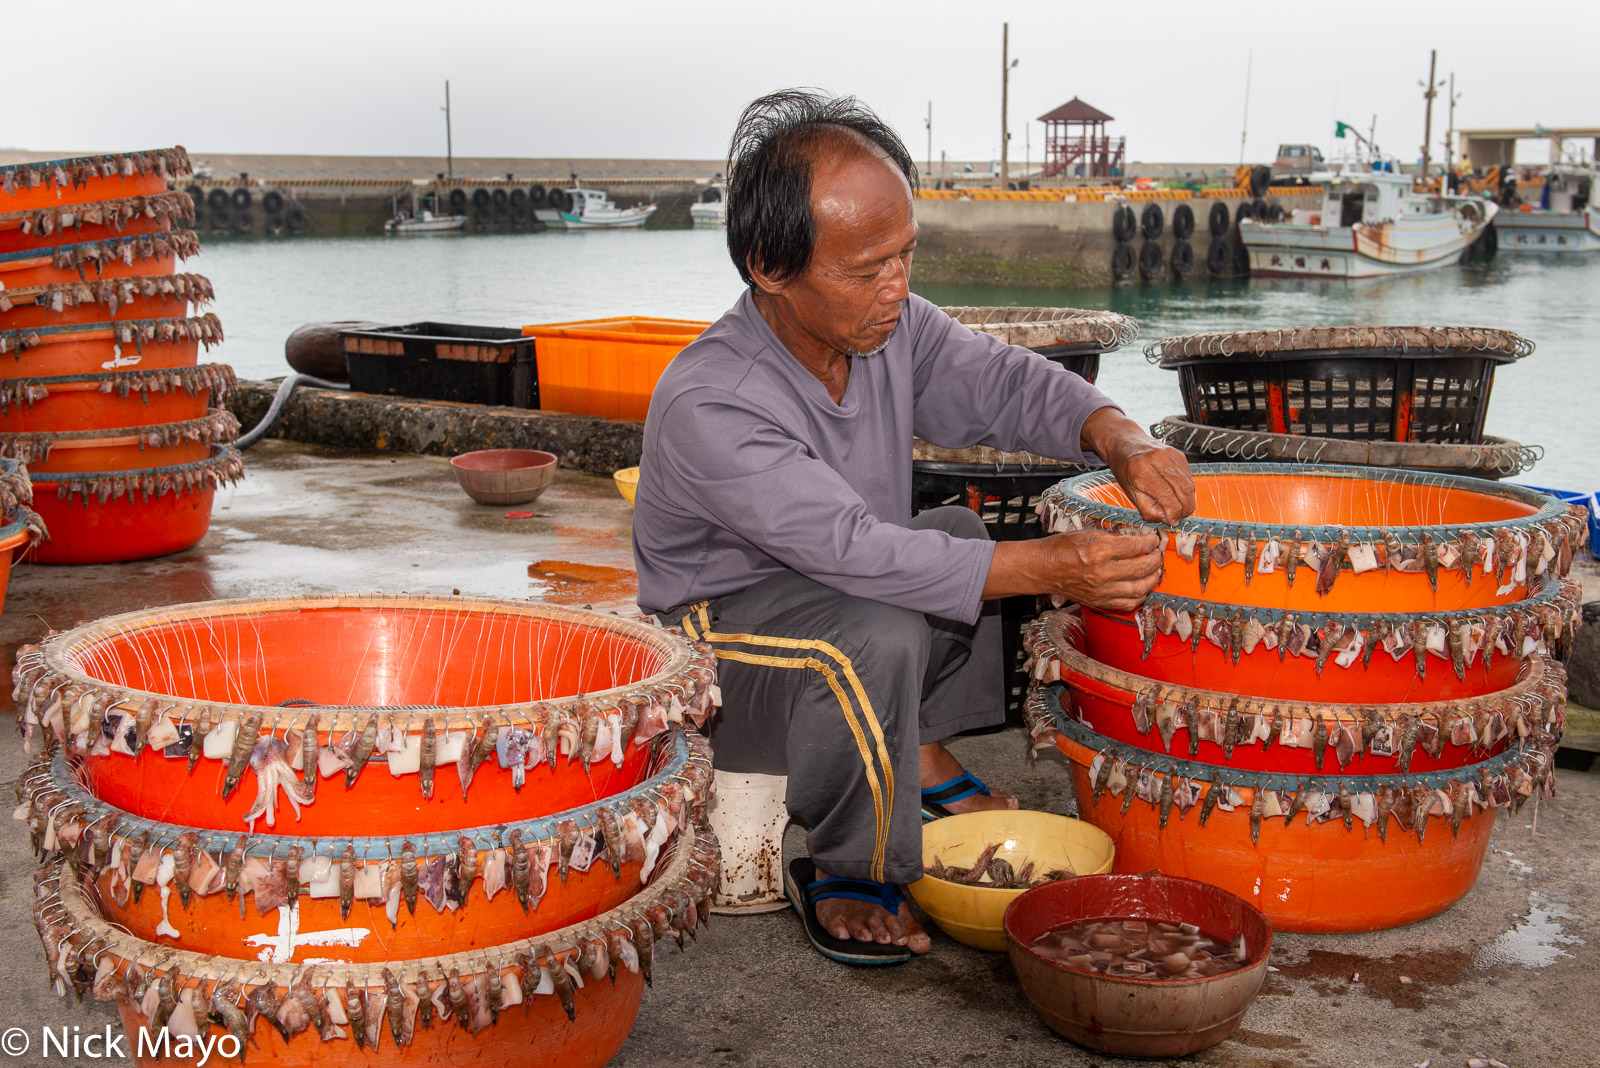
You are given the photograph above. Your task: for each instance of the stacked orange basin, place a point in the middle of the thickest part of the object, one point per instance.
(99, 390)
(1329, 652)
(382, 820)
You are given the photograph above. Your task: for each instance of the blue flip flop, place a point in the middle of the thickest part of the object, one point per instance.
(804, 890)
(935, 798)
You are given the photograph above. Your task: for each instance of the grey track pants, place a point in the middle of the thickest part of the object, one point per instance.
(837, 692)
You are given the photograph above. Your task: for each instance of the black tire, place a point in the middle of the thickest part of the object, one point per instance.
(1151, 260)
(481, 215)
(274, 223)
(221, 218)
(1219, 219)
(1124, 224)
(1122, 261)
(295, 220)
(198, 223)
(1182, 259)
(219, 199)
(458, 201)
(1244, 211)
(1217, 256)
(500, 197)
(1260, 180)
(1241, 260)
(536, 195)
(197, 195)
(559, 200)
(244, 221)
(1258, 207)
(519, 215)
(710, 196)
(242, 199)
(1152, 222)
(519, 201)
(1183, 222)
(481, 199)
(1275, 213)
(272, 203)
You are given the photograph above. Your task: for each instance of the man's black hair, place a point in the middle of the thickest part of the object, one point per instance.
(770, 162)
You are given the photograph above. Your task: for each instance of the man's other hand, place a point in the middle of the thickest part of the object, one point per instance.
(1155, 476)
(1108, 571)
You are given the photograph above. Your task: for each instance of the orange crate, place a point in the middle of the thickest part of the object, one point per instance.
(606, 367)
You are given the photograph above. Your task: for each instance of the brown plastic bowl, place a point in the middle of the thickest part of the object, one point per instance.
(1137, 1017)
(504, 476)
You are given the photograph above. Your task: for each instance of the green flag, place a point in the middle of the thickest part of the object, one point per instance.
(1340, 128)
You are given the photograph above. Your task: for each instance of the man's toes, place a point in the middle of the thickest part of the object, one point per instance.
(860, 931)
(880, 929)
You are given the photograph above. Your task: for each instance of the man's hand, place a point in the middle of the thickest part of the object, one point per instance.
(1109, 571)
(1155, 476)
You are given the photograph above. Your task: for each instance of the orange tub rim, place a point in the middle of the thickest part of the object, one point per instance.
(225, 465)
(206, 329)
(217, 427)
(179, 243)
(170, 163)
(1069, 498)
(1506, 780)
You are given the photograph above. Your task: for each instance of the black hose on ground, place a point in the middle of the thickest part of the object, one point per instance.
(280, 401)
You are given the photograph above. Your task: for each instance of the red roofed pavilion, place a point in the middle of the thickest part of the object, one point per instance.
(1076, 144)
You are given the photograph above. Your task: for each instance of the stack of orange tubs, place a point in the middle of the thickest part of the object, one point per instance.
(125, 438)
(1346, 671)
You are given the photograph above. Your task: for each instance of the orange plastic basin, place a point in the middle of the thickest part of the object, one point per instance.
(607, 367)
(1113, 639)
(367, 656)
(91, 350)
(116, 451)
(14, 240)
(19, 270)
(158, 307)
(1310, 878)
(1332, 499)
(115, 187)
(79, 405)
(13, 538)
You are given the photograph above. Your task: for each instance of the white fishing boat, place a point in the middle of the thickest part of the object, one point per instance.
(424, 222)
(710, 212)
(1565, 219)
(590, 209)
(1370, 224)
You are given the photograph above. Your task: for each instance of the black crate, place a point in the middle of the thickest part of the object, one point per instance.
(444, 361)
(1374, 396)
(1006, 499)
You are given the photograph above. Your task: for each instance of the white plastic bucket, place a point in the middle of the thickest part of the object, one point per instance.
(749, 817)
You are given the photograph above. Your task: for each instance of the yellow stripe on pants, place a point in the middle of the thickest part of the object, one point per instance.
(882, 792)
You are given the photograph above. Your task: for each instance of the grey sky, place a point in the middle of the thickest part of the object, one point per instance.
(627, 79)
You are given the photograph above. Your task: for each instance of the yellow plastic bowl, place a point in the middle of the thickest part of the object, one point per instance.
(627, 483)
(975, 915)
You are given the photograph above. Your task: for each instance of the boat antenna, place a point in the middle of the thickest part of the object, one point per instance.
(1244, 130)
(449, 150)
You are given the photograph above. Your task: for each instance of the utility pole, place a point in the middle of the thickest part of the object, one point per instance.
(930, 138)
(1430, 90)
(1006, 63)
(1450, 136)
(449, 151)
(1244, 129)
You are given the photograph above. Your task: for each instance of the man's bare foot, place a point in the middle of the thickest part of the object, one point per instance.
(846, 919)
(940, 765)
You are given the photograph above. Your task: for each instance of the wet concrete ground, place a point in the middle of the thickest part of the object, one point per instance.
(1508, 973)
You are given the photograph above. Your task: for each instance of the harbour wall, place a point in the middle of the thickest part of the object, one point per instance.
(1059, 244)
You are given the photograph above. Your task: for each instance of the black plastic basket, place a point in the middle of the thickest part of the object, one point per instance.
(1370, 394)
(444, 361)
(1081, 360)
(1006, 499)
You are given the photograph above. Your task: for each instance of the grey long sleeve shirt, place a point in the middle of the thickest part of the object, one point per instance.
(750, 468)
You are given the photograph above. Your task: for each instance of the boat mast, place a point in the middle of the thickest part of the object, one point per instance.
(1430, 90)
(1244, 128)
(449, 151)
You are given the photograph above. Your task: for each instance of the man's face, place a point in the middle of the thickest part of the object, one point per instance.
(850, 297)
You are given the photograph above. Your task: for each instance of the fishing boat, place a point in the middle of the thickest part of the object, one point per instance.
(1565, 220)
(424, 222)
(1370, 224)
(711, 211)
(578, 208)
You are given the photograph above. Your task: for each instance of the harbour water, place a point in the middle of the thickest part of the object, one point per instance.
(265, 288)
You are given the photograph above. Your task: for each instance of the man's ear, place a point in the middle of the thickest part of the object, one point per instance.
(764, 281)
